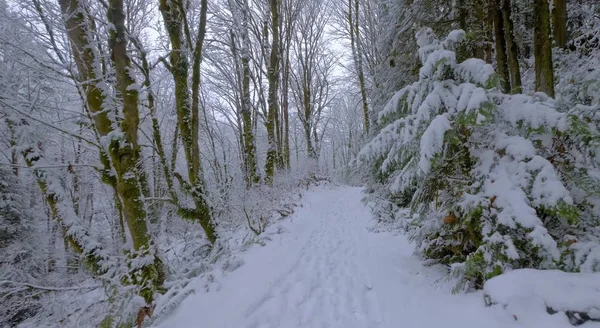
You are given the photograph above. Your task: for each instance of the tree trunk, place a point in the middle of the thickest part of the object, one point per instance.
(489, 30)
(196, 60)
(75, 235)
(14, 155)
(188, 108)
(125, 156)
(333, 151)
(512, 49)
(308, 113)
(285, 80)
(174, 148)
(250, 147)
(285, 112)
(273, 77)
(500, 46)
(278, 133)
(123, 151)
(462, 15)
(75, 22)
(286, 130)
(310, 149)
(156, 135)
(542, 48)
(479, 27)
(353, 23)
(247, 134)
(559, 22)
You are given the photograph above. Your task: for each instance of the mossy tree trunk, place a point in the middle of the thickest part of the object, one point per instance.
(62, 212)
(125, 155)
(273, 103)
(542, 48)
(187, 104)
(249, 146)
(123, 152)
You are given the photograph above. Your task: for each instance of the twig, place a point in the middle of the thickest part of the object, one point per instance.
(52, 289)
(91, 143)
(51, 166)
(257, 232)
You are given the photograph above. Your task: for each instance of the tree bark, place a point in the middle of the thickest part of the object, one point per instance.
(479, 27)
(273, 78)
(285, 111)
(310, 148)
(512, 49)
(123, 152)
(196, 61)
(62, 212)
(354, 25)
(126, 155)
(188, 107)
(559, 22)
(241, 11)
(542, 48)
(156, 135)
(289, 30)
(462, 15)
(499, 34)
(250, 147)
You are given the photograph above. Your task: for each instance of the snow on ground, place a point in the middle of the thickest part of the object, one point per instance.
(326, 269)
(526, 291)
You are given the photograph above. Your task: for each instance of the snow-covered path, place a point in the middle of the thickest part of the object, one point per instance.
(328, 270)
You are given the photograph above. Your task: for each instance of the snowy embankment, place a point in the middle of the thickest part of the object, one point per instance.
(528, 293)
(322, 267)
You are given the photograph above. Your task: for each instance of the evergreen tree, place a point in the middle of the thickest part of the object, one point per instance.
(485, 173)
(13, 215)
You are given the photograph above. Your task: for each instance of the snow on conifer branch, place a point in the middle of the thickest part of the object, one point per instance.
(489, 178)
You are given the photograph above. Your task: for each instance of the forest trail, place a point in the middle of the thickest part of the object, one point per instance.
(326, 269)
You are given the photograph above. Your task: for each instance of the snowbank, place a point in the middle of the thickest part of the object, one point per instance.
(528, 292)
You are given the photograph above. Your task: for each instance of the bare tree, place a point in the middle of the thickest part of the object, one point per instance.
(311, 76)
(184, 45)
(290, 11)
(357, 54)
(273, 101)
(241, 50)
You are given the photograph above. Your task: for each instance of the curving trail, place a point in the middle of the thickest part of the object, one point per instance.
(328, 270)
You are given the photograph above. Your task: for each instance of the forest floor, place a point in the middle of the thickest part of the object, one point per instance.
(326, 268)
